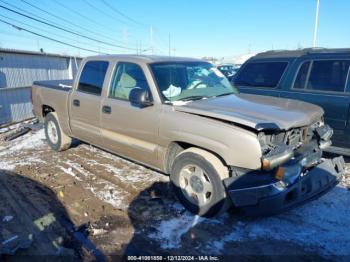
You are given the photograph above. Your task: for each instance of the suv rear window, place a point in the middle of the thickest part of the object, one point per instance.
(325, 75)
(261, 74)
(92, 77)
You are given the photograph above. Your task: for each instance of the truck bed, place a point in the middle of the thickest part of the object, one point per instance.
(65, 84)
(53, 94)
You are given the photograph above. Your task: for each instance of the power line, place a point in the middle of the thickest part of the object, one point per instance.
(30, 13)
(47, 20)
(68, 38)
(79, 14)
(50, 38)
(103, 12)
(63, 29)
(121, 13)
(67, 21)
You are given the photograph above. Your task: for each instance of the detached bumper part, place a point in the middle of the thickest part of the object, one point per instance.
(324, 134)
(279, 196)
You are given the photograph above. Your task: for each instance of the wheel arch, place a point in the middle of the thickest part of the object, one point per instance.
(46, 109)
(175, 148)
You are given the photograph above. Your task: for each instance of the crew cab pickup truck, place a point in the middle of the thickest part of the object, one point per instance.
(181, 116)
(315, 75)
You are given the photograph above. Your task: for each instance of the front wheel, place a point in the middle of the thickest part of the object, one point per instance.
(197, 180)
(55, 137)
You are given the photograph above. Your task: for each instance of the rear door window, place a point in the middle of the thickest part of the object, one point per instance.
(328, 75)
(92, 77)
(300, 80)
(261, 74)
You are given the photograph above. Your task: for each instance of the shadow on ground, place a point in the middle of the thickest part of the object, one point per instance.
(34, 224)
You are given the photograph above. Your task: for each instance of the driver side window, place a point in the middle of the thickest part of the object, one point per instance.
(127, 76)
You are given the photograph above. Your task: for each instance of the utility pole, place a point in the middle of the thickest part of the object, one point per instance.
(316, 22)
(151, 40)
(125, 36)
(169, 45)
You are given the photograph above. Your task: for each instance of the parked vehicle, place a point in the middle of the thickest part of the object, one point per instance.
(229, 70)
(318, 76)
(182, 117)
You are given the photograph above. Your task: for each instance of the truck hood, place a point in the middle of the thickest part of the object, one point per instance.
(255, 111)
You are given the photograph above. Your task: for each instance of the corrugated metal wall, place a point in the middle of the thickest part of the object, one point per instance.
(17, 73)
(15, 105)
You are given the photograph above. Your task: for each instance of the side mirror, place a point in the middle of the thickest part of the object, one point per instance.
(140, 98)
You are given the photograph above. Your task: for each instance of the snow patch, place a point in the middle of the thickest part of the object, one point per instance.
(69, 171)
(79, 168)
(103, 190)
(110, 195)
(29, 141)
(169, 232)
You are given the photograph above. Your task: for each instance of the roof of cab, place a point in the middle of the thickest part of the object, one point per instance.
(300, 52)
(147, 58)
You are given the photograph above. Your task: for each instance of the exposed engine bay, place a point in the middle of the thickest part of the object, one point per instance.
(280, 146)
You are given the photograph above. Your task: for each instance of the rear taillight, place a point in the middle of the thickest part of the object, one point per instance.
(31, 94)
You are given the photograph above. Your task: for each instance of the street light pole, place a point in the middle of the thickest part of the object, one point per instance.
(169, 45)
(316, 22)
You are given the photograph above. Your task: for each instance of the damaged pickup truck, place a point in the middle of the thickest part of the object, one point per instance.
(182, 116)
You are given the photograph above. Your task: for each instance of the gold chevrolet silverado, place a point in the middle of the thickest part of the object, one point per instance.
(181, 116)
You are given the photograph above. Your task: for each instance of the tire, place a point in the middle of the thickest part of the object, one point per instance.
(55, 137)
(196, 178)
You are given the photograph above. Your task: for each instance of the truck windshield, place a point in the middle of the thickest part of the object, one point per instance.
(185, 81)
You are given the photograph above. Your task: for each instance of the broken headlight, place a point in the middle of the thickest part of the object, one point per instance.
(274, 150)
(277, 155)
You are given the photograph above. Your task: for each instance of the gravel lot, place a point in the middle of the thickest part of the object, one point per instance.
(127, 208)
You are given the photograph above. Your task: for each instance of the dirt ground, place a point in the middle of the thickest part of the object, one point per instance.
(83, 201)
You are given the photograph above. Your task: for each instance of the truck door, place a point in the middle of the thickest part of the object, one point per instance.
(128, 130)
(322, 82)
(85, 102)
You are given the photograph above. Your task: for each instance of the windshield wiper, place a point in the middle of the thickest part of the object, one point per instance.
(225, 94)
(190, 98)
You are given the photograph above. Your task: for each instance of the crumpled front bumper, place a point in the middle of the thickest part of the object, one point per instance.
(275, 197)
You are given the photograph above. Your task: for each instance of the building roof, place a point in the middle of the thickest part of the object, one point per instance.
(301, 52)
(26, 52)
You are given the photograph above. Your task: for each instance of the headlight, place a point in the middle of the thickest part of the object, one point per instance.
(278, 155)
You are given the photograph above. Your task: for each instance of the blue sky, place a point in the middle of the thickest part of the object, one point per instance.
(197, 27)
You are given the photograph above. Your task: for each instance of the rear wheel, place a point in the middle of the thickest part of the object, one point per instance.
(197, 179)
(55, 137)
